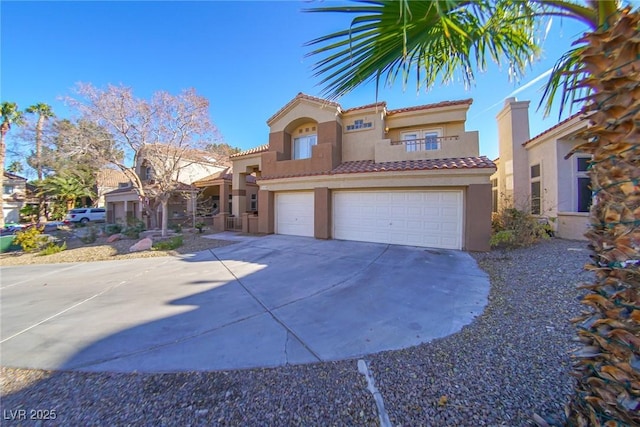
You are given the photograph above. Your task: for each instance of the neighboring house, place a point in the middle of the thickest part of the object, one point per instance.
(216, 194)
(124, 203)
(410, 176)
(14, 196)
(108, 180)
(533, 173)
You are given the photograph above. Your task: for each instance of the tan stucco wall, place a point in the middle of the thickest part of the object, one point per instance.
(440, 178)
(322, 213)
(359, 144)
(466, 145)
(477, 217)
(572, 225)
(513, 131)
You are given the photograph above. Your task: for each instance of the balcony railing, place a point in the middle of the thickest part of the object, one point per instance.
(425, 144)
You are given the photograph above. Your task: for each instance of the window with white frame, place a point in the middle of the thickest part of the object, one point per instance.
(254, 202)
(302, 146)
(536, 190)
(148, 173)
(8, 189)
(421, 140)
(584, 193)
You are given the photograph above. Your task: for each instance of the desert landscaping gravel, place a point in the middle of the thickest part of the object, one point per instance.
(512, 361)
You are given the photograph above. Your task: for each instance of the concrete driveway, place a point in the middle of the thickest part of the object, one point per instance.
(262, 302)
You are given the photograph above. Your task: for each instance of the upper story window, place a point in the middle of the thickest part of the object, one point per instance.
(8, 189)
(421, 140)
(536, 193)
(302, 146)
(148, 173)
(359, 124)
(585, 195)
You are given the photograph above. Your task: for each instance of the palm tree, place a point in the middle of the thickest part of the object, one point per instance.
(10, 115)
(66, 188)
(44, 112)
(395, 39)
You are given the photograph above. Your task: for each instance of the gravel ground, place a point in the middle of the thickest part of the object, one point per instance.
(509, 363)
(100, 250)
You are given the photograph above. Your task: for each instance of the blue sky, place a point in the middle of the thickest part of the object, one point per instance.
(247, 58)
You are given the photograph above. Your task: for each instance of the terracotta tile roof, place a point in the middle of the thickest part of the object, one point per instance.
(253, 150)
(226, 174)
(110, 178)
(468, 101)
(565, 121)
(364, 107)
(369, 166)
(301, 95)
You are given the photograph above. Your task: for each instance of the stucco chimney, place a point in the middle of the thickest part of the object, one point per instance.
(513, 131)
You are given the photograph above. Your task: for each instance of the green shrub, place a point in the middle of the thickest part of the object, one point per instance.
(513, 228)
(51, 248)
(134, 228)
(168, 245)
(176, 228)
(31, 239)
(90, 236)
(112, 229)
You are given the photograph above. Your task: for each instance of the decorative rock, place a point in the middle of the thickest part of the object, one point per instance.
(114, 238)
(143, 245)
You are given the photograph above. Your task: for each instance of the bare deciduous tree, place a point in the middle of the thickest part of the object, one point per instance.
(163, 133)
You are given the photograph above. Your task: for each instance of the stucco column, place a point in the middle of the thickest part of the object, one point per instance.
(322, 213)
(266, 212)
(477, 214)
(223, 203)
(126, 208)
(239, 193)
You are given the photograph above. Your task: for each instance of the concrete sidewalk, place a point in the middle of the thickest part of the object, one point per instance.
(261, 302)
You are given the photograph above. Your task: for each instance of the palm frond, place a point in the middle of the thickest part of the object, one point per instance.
(437, 39)
(565, 77)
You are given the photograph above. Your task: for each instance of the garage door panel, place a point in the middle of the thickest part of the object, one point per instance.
(294, 214)
(417, 218)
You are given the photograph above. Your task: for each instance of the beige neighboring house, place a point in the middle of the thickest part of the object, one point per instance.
(409, 176)
(14, 196)
(534, 174)
(124, 203)
(108, 180)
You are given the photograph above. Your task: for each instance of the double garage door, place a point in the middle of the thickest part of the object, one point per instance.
(415, 218)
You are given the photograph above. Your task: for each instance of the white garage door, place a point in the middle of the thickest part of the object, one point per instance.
(294, 214)
(416, 218)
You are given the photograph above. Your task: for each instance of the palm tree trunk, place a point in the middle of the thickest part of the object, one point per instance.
(3, 131)
(607, 365)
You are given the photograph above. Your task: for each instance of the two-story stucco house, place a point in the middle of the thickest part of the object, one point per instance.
(14, 195)
(410, 176)
(535, 173)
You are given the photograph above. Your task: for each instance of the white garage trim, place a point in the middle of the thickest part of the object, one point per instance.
(294, 213)
(416, 218)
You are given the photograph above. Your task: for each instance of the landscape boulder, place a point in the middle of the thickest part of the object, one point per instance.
(114, 238)
(143, 245)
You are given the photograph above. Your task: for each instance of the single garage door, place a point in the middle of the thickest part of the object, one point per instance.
(294, 214)
(416, 218)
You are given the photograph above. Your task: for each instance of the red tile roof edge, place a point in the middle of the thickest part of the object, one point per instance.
(381, 104)
(467, 101)
(556, 126)
(428, 164)
(254, 150)
(301, 95)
